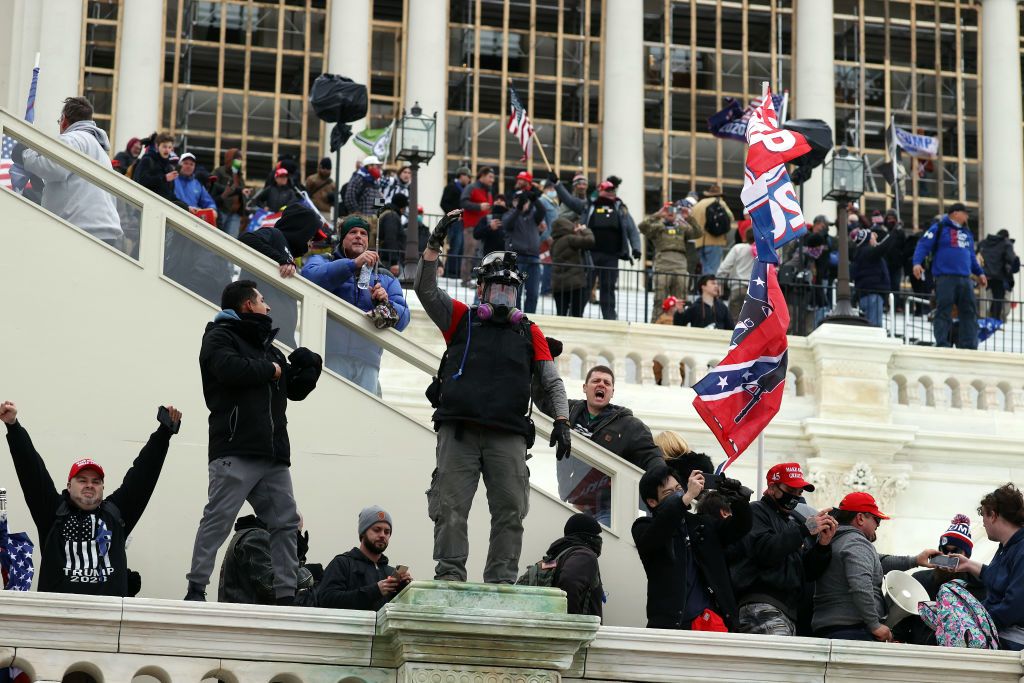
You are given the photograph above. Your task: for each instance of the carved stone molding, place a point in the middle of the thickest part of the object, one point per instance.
(832, 481)
(432, 673)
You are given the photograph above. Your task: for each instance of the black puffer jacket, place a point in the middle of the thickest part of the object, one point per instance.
(579, 574)
(247, 407)
(997, 253)
(350, 582)
(777, 559)
(661, 539)
(151, 172)
(97, 564)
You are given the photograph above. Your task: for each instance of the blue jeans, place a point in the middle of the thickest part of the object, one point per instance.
(355, 371)
(231, 223)
(545, 278)
(871, 307)
(710, 259)
(454, 262)
(959, 290)
(531, 266)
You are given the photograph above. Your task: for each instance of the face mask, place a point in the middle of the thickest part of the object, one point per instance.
(374, 171)
(551, 194)
(236, 165)
(788, 501)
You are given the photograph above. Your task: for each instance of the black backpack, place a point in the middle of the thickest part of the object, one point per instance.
(716, 220)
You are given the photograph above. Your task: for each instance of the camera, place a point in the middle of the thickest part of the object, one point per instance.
(378, 203)
(732, 489)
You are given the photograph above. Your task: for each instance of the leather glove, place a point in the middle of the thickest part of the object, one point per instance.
(440, 231)
(304, 358)
(302, 546)
(561, 439)
(636, 254)
(553, 177)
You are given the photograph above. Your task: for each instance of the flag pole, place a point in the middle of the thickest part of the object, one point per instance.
(760, 456)
(542, 154)
(895, 177)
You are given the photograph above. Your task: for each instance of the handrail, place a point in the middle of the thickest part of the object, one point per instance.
(316, 304)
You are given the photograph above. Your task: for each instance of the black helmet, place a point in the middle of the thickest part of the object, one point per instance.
(499, 266)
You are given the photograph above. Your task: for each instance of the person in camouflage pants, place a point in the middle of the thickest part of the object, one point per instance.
(668, 230)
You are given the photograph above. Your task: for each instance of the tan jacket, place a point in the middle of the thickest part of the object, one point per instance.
(697, 217)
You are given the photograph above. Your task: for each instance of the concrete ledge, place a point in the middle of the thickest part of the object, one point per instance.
(59, 622)
(262, 633)
(856, 661)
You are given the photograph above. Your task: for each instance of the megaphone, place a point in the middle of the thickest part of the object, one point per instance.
(902, 594)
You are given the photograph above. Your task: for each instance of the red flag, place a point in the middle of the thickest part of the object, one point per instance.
(767, 144)
(740, 396)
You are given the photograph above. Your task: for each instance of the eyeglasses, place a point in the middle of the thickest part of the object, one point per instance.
(878, 521)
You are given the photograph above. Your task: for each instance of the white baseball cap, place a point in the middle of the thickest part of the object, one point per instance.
(372, 160)
(187, 155)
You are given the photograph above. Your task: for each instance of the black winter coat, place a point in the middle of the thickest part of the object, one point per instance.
(151, 172)
(247, 406)
(619, 431)
(350, 582)
(98, 565)
(869, 269)
(997, 254)
(656, 541)
(270, 242)
(777, 559)
(451, 198)
(579, 575)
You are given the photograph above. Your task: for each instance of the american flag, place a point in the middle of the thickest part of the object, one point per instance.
(519, 123)
(15, 559)
(7, 146)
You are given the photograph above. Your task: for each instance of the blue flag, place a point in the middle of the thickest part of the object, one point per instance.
(15, 559)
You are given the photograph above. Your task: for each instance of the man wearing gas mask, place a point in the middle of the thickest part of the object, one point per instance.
(481, 397)
(780, 557)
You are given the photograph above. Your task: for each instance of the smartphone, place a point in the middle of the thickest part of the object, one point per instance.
(163, 416)
(945, 562)
(400, 569)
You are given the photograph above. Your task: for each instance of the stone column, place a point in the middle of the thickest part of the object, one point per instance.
(140, 72)
(622, 106)
(813, 94)
(60, 43)
(349, 56)
(1002, 163)
(426, 82)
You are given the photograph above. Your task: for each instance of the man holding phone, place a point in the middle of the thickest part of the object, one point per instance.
(362, 577)
(781, 556)
(848, 600)
(82, 534)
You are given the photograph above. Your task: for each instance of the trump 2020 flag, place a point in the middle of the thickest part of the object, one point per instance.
(740, 396)
(768, 194)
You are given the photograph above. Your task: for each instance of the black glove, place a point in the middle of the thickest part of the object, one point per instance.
(304, 358)
(560, 435)
(17, 154)
(440, 231)
(636, 253)
(133, 582)
(302, 546)
(553, 177)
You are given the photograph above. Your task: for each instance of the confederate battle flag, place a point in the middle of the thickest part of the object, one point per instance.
(740, 396)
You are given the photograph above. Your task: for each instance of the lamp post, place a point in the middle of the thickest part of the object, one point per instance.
(842, 180)
(415, 144)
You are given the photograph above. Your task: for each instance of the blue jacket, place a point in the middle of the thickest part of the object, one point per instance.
(191, 192)
(1004, 579)
(954, 254)
(338, 276)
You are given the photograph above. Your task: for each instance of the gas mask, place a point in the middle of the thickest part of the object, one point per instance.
(501, 282)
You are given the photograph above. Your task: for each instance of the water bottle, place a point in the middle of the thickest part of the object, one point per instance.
(3, 505)
(364, 277)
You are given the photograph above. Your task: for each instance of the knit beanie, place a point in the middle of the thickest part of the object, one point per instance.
(370, 516)
(958, 534)
(581, 523)
(351, 223)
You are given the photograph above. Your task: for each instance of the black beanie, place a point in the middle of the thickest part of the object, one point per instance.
(299, 224)
(581, 523)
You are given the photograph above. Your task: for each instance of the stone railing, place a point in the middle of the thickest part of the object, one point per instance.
(432, 632)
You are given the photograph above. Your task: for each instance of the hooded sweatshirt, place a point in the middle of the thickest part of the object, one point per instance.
(579, 574)
(71, 196)
(849, 592)
(953, 247)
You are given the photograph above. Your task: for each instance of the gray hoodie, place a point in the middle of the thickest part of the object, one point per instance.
(850, 590)
(72, 197)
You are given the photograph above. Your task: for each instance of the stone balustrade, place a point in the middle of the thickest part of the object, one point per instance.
(432, 633)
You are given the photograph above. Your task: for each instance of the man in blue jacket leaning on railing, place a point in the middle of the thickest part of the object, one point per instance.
(348, 353)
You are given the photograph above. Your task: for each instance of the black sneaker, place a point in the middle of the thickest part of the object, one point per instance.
(195, 593)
